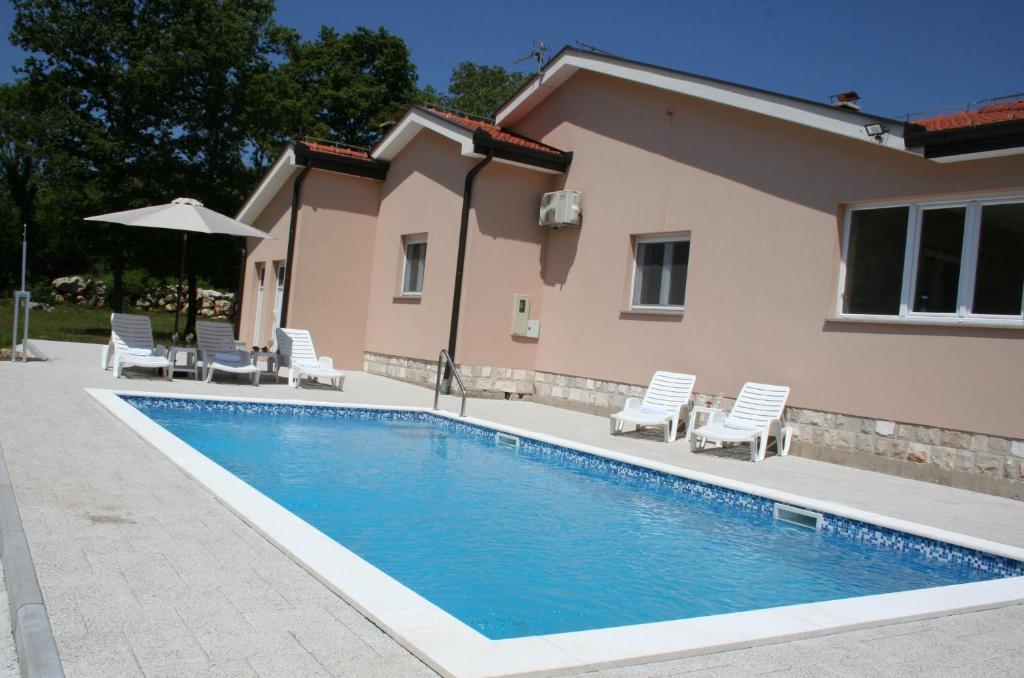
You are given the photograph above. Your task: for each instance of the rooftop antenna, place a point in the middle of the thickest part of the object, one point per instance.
(539, 53)
(595, 50)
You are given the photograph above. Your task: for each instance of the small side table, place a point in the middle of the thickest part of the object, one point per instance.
(273, 362)
(696, 410)
(191, 354)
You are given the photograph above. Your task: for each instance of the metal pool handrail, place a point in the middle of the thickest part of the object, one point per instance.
(443, 357)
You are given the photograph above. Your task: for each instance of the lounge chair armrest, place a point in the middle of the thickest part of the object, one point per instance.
(632, 404)
(716, 417)
(327, 362)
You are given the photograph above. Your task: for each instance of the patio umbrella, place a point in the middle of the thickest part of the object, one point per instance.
(181, 214)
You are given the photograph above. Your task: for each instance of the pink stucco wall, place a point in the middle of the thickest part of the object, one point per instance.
(331, 266)
(421, 195)
(331, 273)
(762, 201)
(504, 257)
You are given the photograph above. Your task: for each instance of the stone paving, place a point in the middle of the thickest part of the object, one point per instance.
(8, 654)
(146, 574)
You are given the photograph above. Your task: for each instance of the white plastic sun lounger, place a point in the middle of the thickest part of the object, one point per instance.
(756, 416)
(665, 404)
(131, 340)
(296, 350)
(218, 353)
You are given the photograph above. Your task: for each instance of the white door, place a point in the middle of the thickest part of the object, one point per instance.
(279, 298)
(261, 276)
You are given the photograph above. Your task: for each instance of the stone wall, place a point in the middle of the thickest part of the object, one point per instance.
(962, 459)
(83, 291)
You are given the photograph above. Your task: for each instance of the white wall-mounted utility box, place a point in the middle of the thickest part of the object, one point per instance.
(561, 209)
(533, 329)
(520, 315)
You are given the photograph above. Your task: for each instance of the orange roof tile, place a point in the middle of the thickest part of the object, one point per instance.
(1000, 112)
(494, 131)
(337, 150)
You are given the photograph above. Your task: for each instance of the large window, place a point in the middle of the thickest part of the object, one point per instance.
(414, 261)
(659, 280)
(941, 261)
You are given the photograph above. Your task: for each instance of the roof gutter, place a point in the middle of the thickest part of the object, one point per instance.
(484, 143)
(292, 228)
(994, 136)
(369, 168)
(460, 263)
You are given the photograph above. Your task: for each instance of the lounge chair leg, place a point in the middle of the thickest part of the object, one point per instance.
(787, 438)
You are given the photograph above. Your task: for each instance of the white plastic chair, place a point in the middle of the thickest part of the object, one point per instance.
(665, 403)
(755, 417)
(218, 353)
(296, 350)
(131, 345)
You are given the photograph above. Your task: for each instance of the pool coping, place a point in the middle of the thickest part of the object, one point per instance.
(453, 648)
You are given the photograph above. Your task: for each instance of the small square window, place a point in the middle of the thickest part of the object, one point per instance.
(659, 279)
(414, 263)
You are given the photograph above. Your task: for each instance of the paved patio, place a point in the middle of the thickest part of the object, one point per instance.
(146, 574)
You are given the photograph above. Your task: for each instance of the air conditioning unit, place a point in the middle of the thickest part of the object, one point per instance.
(560, 209)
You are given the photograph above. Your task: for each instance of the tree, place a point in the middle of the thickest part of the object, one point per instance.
(347, 85)
(479, 90)
(156, 95)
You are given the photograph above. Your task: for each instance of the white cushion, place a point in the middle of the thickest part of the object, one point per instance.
(139, 351)
(739, 424)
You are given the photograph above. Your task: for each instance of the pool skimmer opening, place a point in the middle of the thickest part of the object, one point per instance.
(797, 516)
(506, 439)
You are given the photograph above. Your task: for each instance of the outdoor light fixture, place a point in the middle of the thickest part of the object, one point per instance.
(875, 130)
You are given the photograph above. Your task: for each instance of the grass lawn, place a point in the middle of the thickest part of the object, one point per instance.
(68, 322)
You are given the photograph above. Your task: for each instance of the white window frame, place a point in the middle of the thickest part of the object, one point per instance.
(261, 278)
(968, 264)
(279, 275)
(666, 277)
(406, 241)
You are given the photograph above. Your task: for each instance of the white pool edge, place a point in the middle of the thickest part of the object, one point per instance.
(453, 648)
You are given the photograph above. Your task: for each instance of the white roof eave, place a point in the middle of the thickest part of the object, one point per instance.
(276, 177)
(837, 121)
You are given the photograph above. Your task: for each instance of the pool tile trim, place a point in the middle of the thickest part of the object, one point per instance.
(453, 648)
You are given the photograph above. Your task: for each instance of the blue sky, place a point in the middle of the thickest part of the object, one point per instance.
(901, 56)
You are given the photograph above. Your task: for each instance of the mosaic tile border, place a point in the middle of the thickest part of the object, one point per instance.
(846, 528)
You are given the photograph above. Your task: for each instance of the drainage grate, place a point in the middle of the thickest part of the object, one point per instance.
(797, 516)
(506, 439)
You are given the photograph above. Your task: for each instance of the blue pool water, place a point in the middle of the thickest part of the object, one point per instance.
(538, 539)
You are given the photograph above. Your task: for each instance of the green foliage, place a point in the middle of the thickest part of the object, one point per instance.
(123, 104)
(70, 322)
(479, 90)
(346, 86)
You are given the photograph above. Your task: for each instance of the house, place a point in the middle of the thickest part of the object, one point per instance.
(875, 266)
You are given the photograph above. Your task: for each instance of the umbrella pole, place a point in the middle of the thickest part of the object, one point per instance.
(181, 277)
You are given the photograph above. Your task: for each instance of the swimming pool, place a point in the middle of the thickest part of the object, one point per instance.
(518, 537)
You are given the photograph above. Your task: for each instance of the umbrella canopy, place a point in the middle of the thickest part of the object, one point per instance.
(182, 214)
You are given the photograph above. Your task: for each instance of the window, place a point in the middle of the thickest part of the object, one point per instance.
(659, 279)
(952, 261)
(414, 262)
(279, 296)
